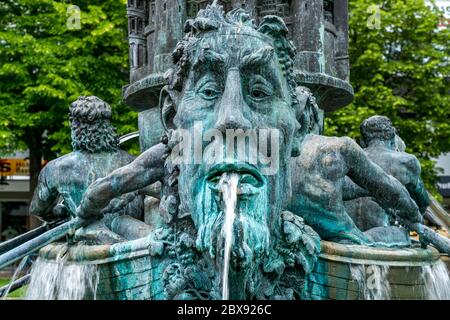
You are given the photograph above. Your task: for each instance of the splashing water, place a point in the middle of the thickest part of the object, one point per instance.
(372, 281)
(228, 186)
(437, 281)
(56, 280)
(19, 269)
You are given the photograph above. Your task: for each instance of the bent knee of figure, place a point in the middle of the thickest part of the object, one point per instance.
(113, 229)
(351, 236)
(97, 233)
(129, 227)
(345, 231)
(339, 231)
(389, 236)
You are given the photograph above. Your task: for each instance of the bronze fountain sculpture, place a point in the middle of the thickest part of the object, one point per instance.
(253, 201)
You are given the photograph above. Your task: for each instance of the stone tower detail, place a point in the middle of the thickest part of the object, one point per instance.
(318, 29)
(136, 10)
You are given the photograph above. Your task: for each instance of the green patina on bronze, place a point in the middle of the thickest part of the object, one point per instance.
(318, 29)
(230, 72)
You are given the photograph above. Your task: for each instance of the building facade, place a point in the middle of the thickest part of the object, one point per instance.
(15, 195)
(443, 162)
(318, 29)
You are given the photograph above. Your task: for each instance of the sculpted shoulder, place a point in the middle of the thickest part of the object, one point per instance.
(119, 157)
(58, 169)
(410, 162)
(325, 154)
(62, 163)
(77, 160)
(393, 161)
(125, 157)
(324, 143)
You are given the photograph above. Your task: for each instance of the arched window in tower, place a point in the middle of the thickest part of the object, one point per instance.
(281, 8)
(132, 55)
(145, 57)
(131, 3)
(192, 8)
(151, 10)
(225, 3)
(140, 26)
(140, 55)
(328, 10)
(133, 25)
(140, 4)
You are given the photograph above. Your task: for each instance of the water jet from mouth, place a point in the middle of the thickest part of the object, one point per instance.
(228, 186)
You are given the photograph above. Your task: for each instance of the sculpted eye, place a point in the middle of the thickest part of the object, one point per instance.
(209, 91)
(260, 91)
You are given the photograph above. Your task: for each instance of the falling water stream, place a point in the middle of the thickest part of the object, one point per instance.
(372, 281)
(228, 186)
(58, 280)
(19, 269)
(374, 284)
(437, 281)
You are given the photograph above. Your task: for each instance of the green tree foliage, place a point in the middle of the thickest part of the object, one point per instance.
(400, 70)
(47, 61)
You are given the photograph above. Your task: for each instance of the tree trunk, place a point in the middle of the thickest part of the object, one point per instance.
(35, 147)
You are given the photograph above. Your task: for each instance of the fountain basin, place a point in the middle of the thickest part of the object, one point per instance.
(126, 271)
(401, 271)
(131, 270)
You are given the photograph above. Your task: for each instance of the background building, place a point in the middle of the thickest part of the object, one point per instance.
(318, 29)
(15, 195)
(444, 179)
(444, 160)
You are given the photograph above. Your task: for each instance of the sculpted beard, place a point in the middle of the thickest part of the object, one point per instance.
(250, 229)
(254, 222)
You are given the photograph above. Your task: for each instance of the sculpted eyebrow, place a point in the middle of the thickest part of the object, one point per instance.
(258, 58)
(259, 62)
(209, 58)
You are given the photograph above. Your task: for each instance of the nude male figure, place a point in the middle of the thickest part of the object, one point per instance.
(95, 154)
(383, 149)
(319, 181)
(386, 149)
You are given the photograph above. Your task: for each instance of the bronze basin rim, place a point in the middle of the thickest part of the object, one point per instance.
(354, 254)
(358, 254)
